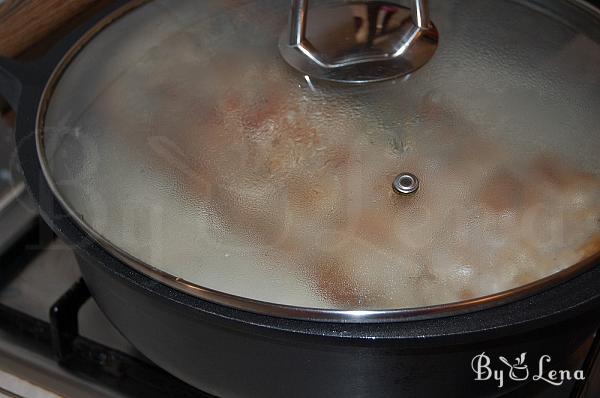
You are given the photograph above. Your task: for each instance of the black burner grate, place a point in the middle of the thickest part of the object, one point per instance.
(60, 337)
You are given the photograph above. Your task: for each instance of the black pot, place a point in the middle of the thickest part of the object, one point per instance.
(233, 353)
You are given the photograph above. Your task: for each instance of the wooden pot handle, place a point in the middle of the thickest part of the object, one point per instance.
(25, 22)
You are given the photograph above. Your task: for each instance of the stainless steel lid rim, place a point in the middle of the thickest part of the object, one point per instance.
(284, 311)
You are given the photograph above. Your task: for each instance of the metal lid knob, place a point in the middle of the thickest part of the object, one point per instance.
(359, 42)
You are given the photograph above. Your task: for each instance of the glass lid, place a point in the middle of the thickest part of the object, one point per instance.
(203, 148)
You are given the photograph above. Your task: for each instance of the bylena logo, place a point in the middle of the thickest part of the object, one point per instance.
(518, 370)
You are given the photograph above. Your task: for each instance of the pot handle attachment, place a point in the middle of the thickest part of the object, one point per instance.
(10, 82)
(399, 40)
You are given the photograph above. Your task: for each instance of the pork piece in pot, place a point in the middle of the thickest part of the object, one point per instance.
(274, 191)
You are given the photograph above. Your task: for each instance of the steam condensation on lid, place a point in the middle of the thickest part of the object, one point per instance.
(194, 148)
